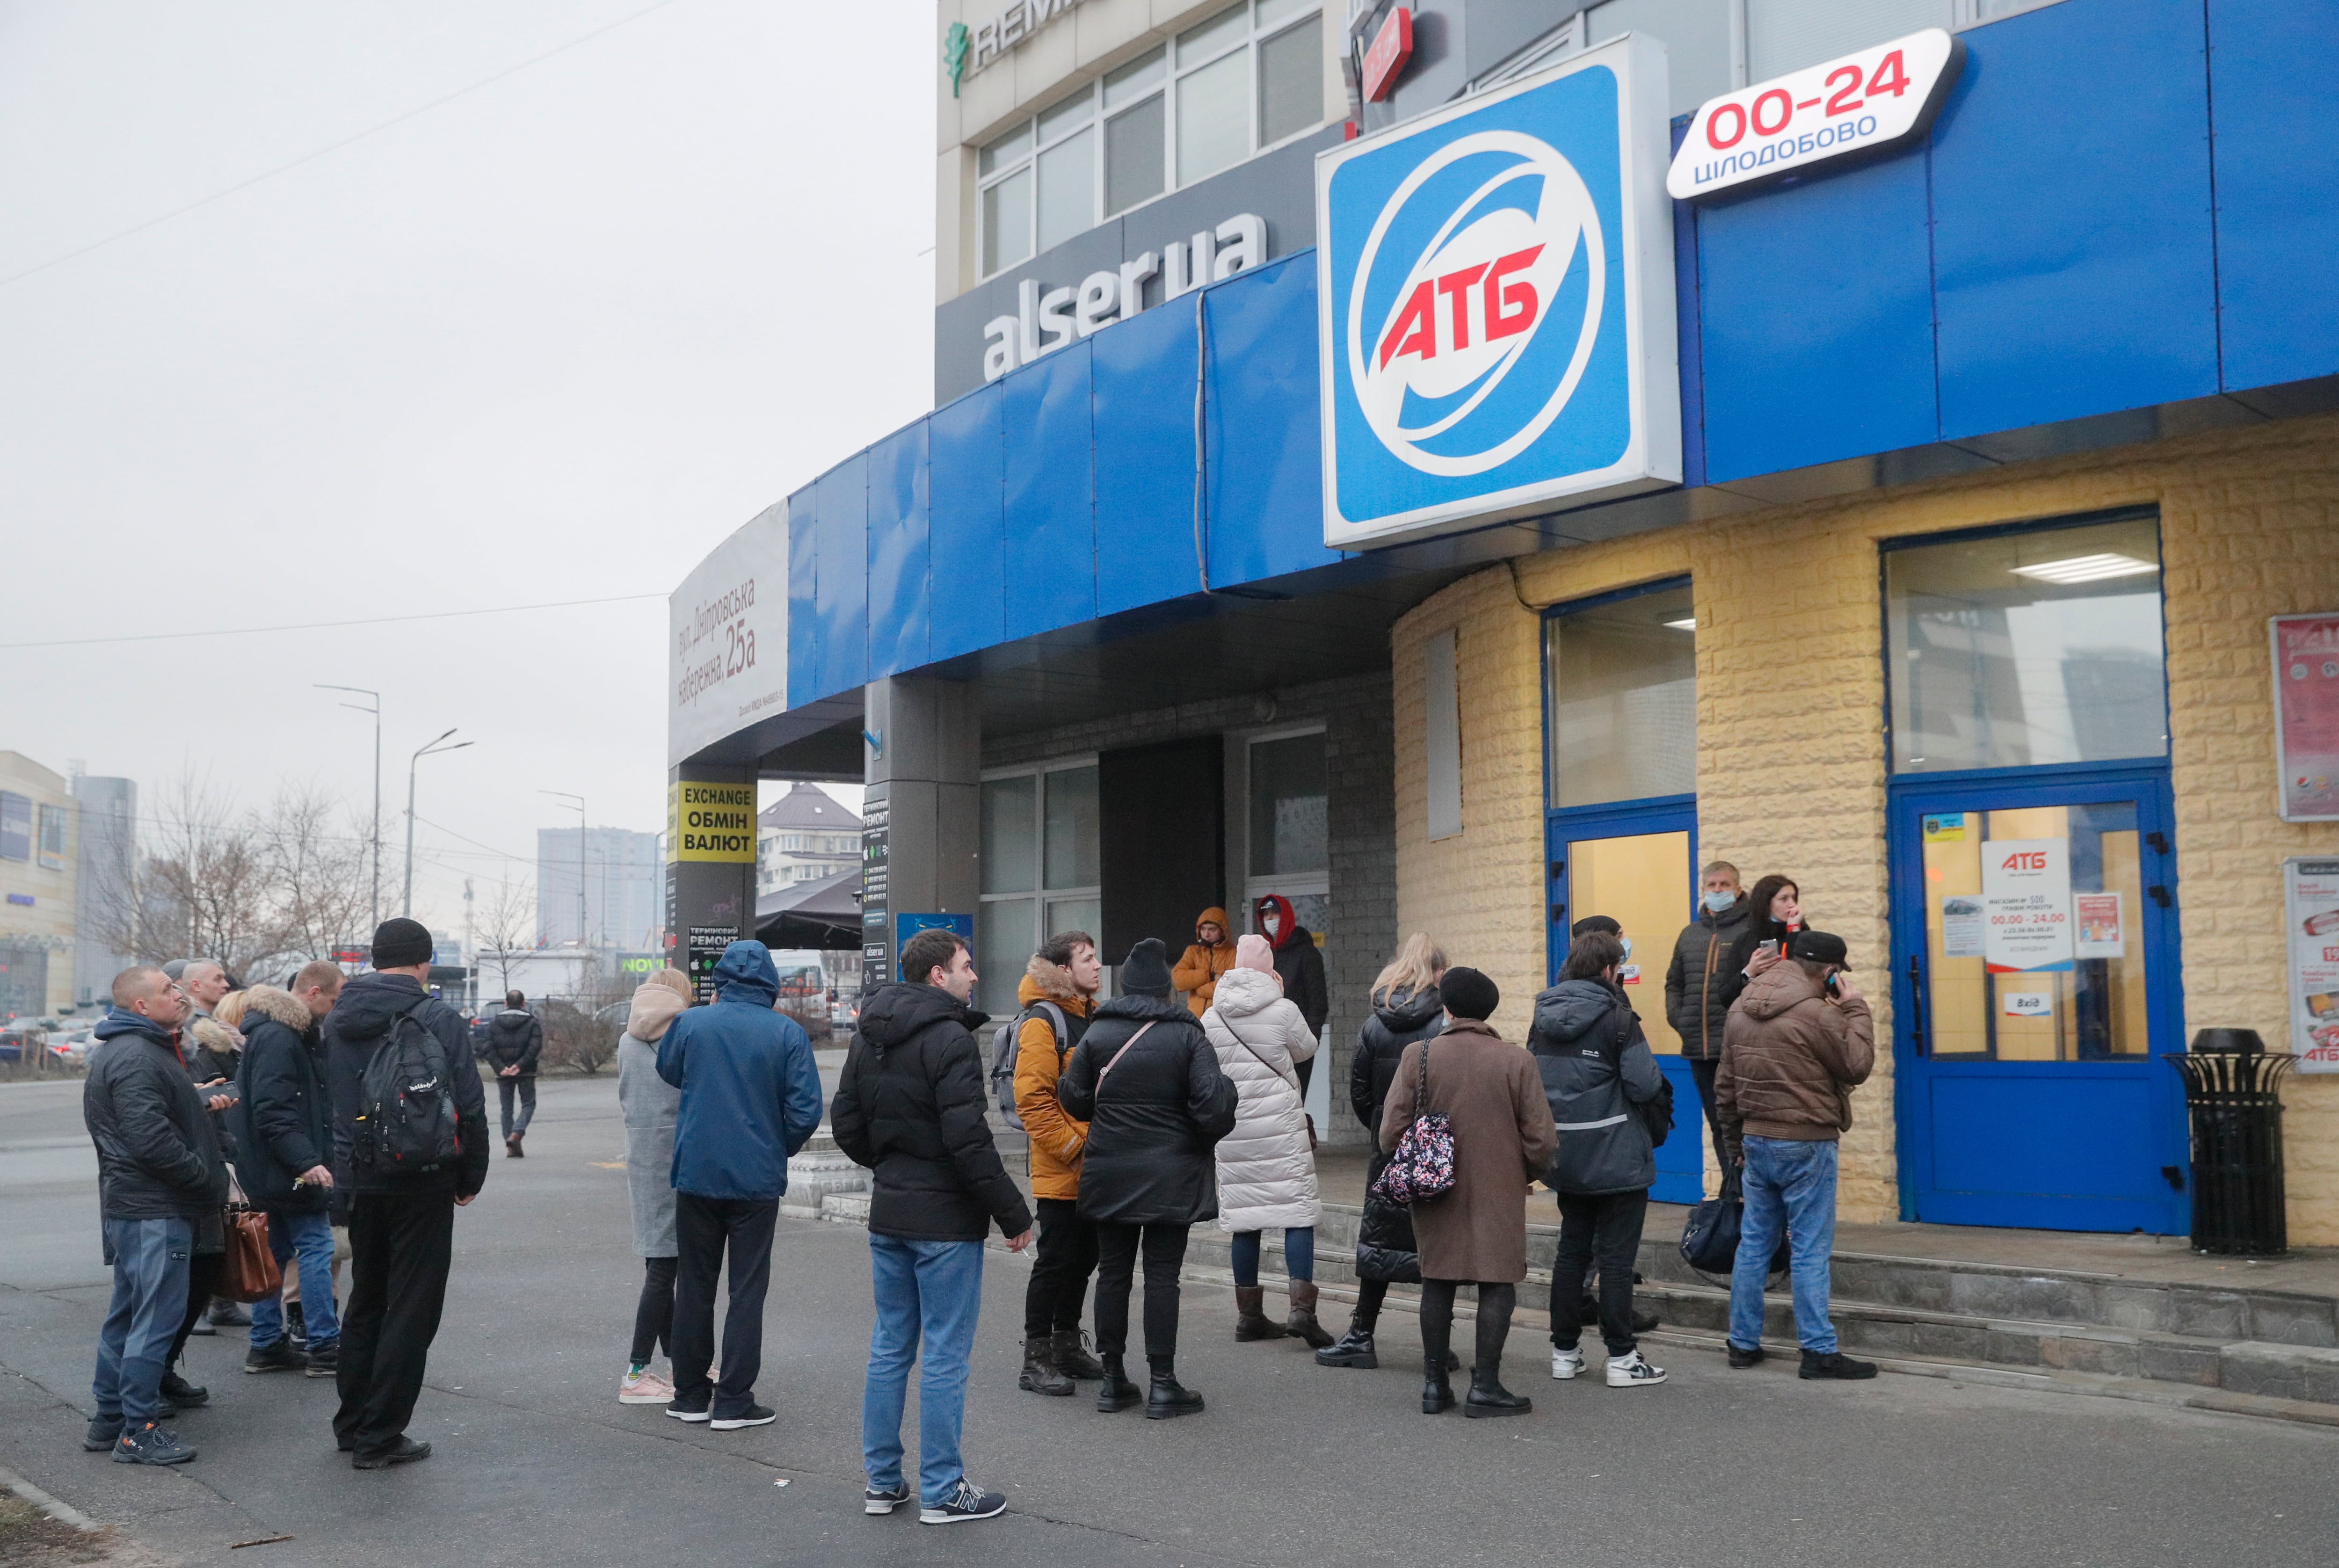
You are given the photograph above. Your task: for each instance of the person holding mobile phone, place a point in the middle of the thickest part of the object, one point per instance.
(1775, 914)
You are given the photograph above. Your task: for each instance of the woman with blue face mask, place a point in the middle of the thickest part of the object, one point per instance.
(1697, 999)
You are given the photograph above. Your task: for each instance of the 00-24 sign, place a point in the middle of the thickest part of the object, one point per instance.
(1880, 98)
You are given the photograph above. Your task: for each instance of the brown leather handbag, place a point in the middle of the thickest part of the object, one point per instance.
(250, 1272)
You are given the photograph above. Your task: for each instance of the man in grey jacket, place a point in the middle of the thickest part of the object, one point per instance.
(1693, 1000)
(158, 1170)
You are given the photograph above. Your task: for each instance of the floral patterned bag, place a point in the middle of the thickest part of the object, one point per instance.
(1423, 1165)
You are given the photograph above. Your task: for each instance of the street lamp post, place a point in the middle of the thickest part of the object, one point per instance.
(375, 909)
(584, 937)
(434, 749)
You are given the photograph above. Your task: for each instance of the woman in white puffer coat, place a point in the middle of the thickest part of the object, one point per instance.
(1267, 1164)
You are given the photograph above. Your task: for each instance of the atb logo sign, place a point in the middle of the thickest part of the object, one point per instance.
(1434, 373)
(1495, 333)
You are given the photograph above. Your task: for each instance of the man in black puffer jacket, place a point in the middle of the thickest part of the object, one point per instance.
(283, 1128)
(1155, 1114)
(911, 1105)
(401, 1221)
(515, 1041)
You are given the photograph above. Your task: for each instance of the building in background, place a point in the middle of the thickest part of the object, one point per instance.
(805, 836)
(107, 865)
(38, 841)
(623, 880)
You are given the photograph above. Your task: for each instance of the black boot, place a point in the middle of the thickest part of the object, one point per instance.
(1487, 1395)
(1118, 1392)
(1489, 1398)
(1436, 1329)
(1354, 1348)
(1039, 1375)
(1167, 1396)
(1072, 1358)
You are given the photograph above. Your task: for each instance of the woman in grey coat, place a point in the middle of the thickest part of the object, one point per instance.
(1597, 1072)
(650, 1105)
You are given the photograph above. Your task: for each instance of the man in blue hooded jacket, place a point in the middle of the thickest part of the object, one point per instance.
(750, 1098)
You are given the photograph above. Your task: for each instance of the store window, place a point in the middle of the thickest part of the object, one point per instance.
(1290, 827)
(1040, 872)
(2017, 648)
(1245, 80)
(1622, 688)
(53, 837)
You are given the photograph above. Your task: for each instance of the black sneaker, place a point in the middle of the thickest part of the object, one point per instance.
(690, 1413)
(325, 1360)
(277, 1357)
(884, 1499)
(753, 1415)
(1742, 1359)
(967, 1501)
(103, 1432)
(1835, 1364)
(186, 1395)
(407, 1451)
(296, 1326)
(226, 1314)
(152, 1443)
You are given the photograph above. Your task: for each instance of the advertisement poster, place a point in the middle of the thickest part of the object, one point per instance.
(1945, 827)
(2307, 715)
(2026, 895)
(706, 945)
(2100, 933)
(1961, 925)
(2310, 900)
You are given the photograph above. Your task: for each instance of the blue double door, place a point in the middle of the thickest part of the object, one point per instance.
(2035, 986)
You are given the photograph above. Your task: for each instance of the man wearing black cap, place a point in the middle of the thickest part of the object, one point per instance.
(410, 1146)
(1798, 1039)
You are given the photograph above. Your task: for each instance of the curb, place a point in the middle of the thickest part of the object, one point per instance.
(64, 1513)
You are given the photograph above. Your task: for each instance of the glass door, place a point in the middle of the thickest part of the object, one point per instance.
(1637, 866)
(2035, 980)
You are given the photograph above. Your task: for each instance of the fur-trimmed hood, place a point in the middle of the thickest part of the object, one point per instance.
(1048, 981)
(215, 1037)
(274, 1002)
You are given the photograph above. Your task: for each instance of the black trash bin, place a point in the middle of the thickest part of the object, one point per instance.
(2231, 1084)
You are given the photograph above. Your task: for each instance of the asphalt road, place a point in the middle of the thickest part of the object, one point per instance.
(537, 1462)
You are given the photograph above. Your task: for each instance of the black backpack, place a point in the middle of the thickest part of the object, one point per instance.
(1003, 1051)
(407, 1121)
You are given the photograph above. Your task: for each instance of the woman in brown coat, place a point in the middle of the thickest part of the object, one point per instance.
(1502, 1139)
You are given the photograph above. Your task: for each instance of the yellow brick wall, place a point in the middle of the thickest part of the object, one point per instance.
(1790, 764)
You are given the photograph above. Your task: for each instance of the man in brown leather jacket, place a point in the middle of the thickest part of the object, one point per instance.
(1797, 1042)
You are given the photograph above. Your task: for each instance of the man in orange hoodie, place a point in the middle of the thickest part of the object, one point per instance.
(1058, 988)
(1212, 954)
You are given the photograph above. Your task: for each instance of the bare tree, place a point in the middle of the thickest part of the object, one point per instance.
(207, 890)
(313, 850)
(505, 927)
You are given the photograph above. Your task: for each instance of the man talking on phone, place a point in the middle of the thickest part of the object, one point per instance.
(1798, 1039)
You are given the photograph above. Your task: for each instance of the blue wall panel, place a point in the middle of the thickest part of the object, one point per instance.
(966, 525)
(1142, 381)
(897, 551)
(804, 611)
(1817, 305)
(1265, 469)
(840, 574)
(2277, 101)
(2073, 256)
(1049, 474)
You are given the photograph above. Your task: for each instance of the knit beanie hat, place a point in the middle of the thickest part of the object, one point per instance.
(1146, 971)
(1470, 995)
(398, 942)
(1255, 952)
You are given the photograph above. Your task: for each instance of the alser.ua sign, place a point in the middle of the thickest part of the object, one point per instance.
(1495, 305)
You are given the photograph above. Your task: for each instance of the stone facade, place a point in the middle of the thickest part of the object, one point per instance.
(1355, 715)
(1791, 748)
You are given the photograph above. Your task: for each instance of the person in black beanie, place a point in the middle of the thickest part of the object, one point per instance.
(406, 1177)
(1146, 1082)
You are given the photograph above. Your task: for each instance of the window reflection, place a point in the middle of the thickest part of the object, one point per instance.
(1624, 699)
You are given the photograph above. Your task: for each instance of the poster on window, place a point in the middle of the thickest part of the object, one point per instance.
(2310, 901)
(1962, 927)
(2307, 715)
(2026, 895)
(2098, 931)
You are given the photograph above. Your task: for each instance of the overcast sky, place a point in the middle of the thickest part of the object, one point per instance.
(548, 339)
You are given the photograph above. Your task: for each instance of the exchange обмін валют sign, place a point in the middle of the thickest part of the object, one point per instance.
(1495, 304)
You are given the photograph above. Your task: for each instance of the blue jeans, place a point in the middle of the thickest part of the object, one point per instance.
(150, 1299)
(1790, 1182)
(929, 1291)
(307, 1237)
(1298, 1255)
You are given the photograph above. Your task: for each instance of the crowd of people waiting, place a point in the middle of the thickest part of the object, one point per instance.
(1145, 1114)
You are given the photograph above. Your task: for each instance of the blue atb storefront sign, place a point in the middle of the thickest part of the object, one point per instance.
(1495, 304)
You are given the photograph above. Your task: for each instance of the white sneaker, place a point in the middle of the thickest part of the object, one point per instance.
(1566, 1364)
(1632, 1370)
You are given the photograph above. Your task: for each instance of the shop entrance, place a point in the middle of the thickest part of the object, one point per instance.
(2035, 976)
(1637, 865)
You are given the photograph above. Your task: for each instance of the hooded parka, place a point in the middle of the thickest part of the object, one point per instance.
(515, 1038)
(750, 1089)
(360, 1024)
(1793, 1059)
(1597, 1071)
(1055, 1139)
(157, 1156)
(1385, 1249)
(283, 1121)
(1153, 1119)
(1267, 1171)
(1297, 960)
(1197, 971)
(650, 1106)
